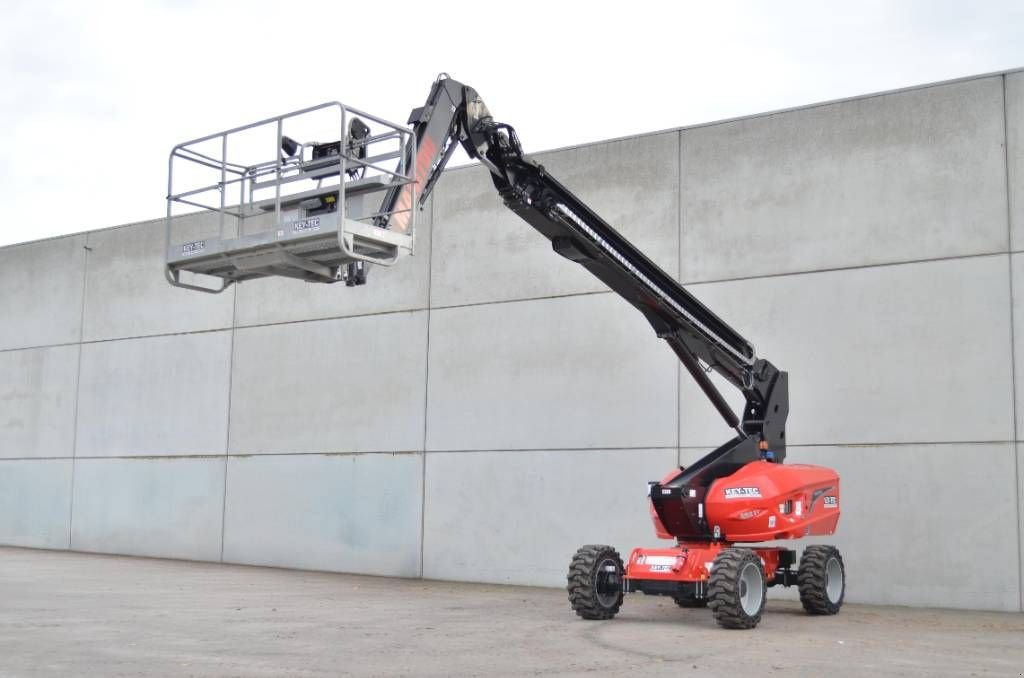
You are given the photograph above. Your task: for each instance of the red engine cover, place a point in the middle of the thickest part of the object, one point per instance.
(765, 501)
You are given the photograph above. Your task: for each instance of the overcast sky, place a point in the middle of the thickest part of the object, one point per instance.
(93, 94)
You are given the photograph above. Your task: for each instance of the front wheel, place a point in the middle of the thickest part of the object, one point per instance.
(822, 579)
(737, 589)
(595, 582)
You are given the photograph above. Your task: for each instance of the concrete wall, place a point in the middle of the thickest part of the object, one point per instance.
(482, 409)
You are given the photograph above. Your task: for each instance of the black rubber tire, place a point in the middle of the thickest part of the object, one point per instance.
(725, 592)
(812, 579)
(689, 602)
(585, 582)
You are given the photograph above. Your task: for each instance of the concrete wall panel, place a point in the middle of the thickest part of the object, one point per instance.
(164, 508)
(35, 502)
(1020, 519)
(155, 396)
(41, 275)
(37, 402)
(518, 517)
(402, 287)
(485, 253)
(127, 295)
(553, 373)
(909, 353)
(901, 507)
(906, 176)
(349, 385)
(343, 513)
(1015, 156)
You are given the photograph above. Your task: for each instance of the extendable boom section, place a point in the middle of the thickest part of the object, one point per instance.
(455, 113)
(701, 340)
(694, 332)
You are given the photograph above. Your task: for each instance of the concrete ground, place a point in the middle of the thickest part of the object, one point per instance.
(77, 614)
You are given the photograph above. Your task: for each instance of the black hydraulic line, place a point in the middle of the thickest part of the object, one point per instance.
(579, 234)
(701, 377)
(428, 186)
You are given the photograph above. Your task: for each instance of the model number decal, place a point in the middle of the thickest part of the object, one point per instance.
(194, 247)
(831, 501)
(742, 492)
(656, 561)
(312, 224)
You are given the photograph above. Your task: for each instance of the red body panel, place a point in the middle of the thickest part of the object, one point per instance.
(764, 501)
(689, 562)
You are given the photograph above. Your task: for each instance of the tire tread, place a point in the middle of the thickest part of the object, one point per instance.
(811, 580)
(582, 594)
(723, 589)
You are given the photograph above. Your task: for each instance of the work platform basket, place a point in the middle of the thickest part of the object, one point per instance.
(302, 195)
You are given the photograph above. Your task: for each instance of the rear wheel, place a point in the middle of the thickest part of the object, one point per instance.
(595, 582)
(737, 589)
(822, 579)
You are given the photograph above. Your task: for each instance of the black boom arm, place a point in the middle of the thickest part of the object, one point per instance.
(702, 341)
(695, 333)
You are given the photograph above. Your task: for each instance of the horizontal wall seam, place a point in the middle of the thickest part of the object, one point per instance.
(693, 283)
(238, 455)
(639, 448)
(115, 339)
(836, 269)
(38, 347)
(919, 443)
(350, 453)
(343, 316)
(250, 455)
(135, 457)
(499, 302)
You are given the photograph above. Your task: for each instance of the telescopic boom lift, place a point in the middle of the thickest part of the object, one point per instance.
(740, 492)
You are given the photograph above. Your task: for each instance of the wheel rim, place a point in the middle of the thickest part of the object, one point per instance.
(833, 580)
(607, 584)
(751, 589)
